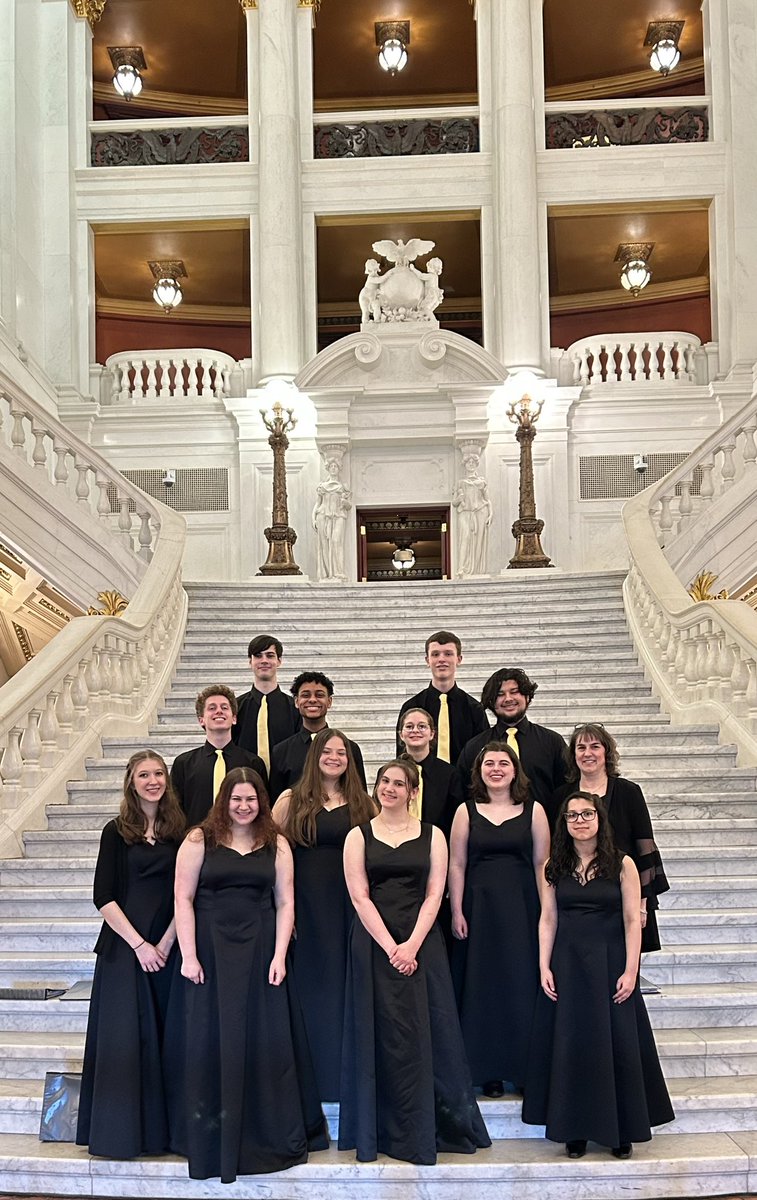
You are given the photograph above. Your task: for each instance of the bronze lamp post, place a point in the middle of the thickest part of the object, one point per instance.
(527, 529)
(280, 536)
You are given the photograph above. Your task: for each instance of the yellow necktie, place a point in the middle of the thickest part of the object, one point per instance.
(512, 740)
(442, 733)
(415, 807)
(263, 747)
(219, 773)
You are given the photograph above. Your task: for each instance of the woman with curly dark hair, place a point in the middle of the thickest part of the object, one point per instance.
(595, 767)
(499, 844)
(593, 1070)
(315, 817)
(242, 1096)
(122, 1108)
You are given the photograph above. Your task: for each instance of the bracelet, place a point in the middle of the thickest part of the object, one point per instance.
(135, 948)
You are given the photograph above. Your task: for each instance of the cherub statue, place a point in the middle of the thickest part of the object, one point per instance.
(370, 305)
(432, 293)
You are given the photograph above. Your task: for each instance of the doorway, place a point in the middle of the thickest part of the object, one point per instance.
(403, 543)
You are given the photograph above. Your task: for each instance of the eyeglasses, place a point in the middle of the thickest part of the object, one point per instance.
(588, 814)
(421, 728)
(583, 725)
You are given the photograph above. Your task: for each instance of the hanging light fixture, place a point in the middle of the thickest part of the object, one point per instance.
(403, 558)
(167, 292)
(128, 63)
(663, 37)
(635, 274)
(393, 39)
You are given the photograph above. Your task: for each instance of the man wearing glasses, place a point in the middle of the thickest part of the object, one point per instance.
(542, 752)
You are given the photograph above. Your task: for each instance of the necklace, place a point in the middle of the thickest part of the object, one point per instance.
(394, 833)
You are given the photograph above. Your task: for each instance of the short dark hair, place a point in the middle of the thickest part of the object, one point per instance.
(312, 677)
(262, 642)
(215, 689)
(444, 637)
(526, 686)
(588, 731)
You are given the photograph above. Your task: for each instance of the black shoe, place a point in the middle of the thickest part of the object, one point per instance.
(494, 1089)
(624, 1150)
(576, 1149)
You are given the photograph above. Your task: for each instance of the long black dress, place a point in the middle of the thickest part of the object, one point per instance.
(323, 919)
(122, 1111)
(241, 1091)
(632, 833)
(593, 1072)
(406, 1089)
(496, 968)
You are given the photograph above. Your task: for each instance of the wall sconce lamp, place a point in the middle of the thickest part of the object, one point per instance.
(128, 63)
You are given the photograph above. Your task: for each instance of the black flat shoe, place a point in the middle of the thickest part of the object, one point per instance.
(576, 1149)
(494, 1089)
(624, 1150)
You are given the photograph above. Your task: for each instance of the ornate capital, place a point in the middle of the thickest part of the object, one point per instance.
(314, 4)
(249, 3)
(91, 9)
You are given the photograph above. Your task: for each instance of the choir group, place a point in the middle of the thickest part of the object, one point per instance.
(473, 926)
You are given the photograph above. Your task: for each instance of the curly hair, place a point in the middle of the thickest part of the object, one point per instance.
(519, 789)
(409, 770)
(307, 796)
(490, 692)
(563, 860)
(131, 822)
(593, 732)
(216, 827)
(215, 689)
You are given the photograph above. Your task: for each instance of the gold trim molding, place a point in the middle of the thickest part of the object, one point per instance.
(249, 3)
(113, 604)
(700, 589)
(91, 9)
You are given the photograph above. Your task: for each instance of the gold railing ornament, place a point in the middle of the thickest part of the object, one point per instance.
(700, 589)
(113, 605)
(91, 9)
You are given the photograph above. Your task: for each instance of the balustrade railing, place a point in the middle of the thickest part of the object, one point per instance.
(381, 134)
(702, 656)
(581, 124)
(606, 359)
(168, 374)
(169, 141)
(97, 672)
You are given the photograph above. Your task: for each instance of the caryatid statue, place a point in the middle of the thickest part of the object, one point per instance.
(330, 517)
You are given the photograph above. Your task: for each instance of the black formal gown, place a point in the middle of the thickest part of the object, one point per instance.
(496, 968)
(406, 1089)
(241, 1091)
(323, 920)
(122, 1111)
(593, 1072)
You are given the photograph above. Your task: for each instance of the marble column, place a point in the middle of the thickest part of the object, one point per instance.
(517, 328)
(276, 304)
(8, 173)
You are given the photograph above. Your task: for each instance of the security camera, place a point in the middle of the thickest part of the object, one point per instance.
(640, 464)
(169, 479)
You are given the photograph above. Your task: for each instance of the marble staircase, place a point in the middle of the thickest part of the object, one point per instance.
(569, 632)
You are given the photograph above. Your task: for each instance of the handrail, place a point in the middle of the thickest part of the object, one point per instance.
(193, 373)
(98, 672)
(701, 656)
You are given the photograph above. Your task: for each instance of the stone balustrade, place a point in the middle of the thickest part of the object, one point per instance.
(168, 375)
(98, 672)
(169, 141)
(589, 123)
(608, 359)
(702, 657)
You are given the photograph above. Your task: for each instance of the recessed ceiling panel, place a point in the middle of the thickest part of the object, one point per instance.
(217, 263)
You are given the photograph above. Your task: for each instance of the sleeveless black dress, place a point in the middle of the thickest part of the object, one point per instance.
(593, 1072)
(241, 1091)
(496, 968)
(323, 919)
(406, 1089)
(122, 1111)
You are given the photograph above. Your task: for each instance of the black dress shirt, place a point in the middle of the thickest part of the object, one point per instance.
(288, 761)
(542, 753)
(466, 716)
(192, 776)
(442, 793)
(283, 719)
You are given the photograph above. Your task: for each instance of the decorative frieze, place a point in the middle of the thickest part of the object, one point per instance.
(169, 147)
(627, 127)
(382, 139)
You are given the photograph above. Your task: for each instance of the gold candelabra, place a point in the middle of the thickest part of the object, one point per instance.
(280, 536)
(527, 529)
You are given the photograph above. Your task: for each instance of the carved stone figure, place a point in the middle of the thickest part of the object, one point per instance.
(403, 293)
(471, 499)
(329, 521)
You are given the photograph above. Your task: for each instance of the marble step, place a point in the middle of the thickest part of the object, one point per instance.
(715, 893)
(717, 831)
(669, 805)
(27, 968)
(29, 1055)
(529, 1168)
(44, 1016)
(713, 963)
(730, 860)
(46, 872)
(702, 1005)
(47, 935)
(37, 901)
(576, 621)
(285, 594)
(205, 657)
(682, 927)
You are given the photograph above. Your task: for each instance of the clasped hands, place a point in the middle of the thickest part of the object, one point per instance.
(403, 959)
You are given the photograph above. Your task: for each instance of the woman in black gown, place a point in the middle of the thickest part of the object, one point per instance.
(315, 817)
(595, 768)
(593, 1072)
(439, 792)
(406, 1089)
(500, 843)
(122, 1109)
(242, 1097)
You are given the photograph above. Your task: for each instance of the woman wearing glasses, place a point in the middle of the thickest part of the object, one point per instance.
(439, 792)
(593, 1072)
(500, 842)
(595, 768)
